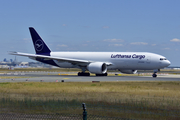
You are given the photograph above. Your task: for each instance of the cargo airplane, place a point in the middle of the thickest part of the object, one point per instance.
(95, 62)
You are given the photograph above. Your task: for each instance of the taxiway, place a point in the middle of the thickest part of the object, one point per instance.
(42, 77)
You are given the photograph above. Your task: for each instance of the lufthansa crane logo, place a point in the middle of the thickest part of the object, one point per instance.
(39, 45)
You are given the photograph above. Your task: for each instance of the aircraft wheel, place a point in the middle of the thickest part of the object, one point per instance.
(105, 74)
(154, 75)
(83, 74)
(102, 74)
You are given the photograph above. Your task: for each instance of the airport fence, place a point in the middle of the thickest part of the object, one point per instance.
(72, 110)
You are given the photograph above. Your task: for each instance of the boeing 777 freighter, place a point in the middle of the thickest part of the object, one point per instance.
(95, 62)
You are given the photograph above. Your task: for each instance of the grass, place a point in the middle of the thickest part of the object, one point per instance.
(12, 77)
(40, 69)
(104, 91)
(19, 70)
(72, 70)
(138, 100)
(119, 99)
(131, 109)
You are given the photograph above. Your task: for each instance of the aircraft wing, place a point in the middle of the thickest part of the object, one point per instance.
(73, 61)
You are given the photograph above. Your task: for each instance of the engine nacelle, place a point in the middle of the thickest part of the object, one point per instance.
(97, 68)
(128, 71)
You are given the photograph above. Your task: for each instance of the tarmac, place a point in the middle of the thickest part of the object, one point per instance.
(72, 77)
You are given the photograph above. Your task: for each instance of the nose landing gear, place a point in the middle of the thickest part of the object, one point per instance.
(154, 75)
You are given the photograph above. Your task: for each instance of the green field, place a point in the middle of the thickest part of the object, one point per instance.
(129, 96)
(136, 100)
(69, 70)
(40, 69)
(104, 91)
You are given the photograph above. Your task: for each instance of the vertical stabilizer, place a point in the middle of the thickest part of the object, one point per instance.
(39, 45)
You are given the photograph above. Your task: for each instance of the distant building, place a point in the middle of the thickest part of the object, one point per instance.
(24, 64)
(15, 64)
(10, 63)
(5, 60)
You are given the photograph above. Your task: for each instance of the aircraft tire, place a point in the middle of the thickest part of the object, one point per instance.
(83, 74)
(102, 74)
(154, 75)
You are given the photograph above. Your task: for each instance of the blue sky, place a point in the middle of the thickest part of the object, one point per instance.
(94, 25)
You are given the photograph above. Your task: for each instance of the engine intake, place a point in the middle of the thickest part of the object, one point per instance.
(97, 68)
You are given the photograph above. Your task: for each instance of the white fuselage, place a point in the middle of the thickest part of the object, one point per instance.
(95, 62)
(119, 60)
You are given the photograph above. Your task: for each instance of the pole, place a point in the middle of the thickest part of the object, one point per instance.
(84, 111)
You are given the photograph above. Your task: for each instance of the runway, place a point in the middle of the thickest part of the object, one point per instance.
(53, 77)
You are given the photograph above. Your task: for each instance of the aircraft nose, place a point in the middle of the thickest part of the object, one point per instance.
(168, 63)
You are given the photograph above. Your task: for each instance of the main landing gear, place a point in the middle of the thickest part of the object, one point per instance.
(88, 74)
(154, 75)
(83, 74)
(105, 74)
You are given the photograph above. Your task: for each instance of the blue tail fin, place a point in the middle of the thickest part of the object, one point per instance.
(39, 45)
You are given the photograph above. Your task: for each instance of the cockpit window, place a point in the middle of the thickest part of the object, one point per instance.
(163, 59)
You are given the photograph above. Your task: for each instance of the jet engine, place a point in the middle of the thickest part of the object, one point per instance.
(97, 68)
(128, 71)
